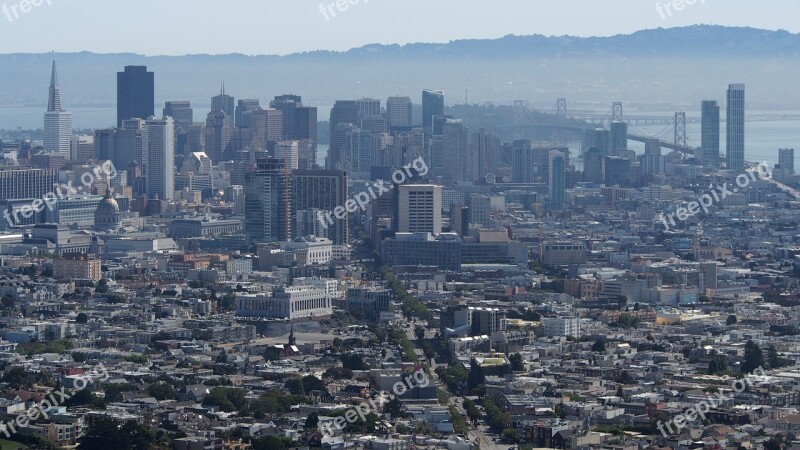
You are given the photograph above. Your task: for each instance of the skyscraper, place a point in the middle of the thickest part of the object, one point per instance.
(619, 137)
(368, 107)
(653, 160)
(455, 149)
(57, 122)
(710, 133)
(266, 128)
(321, 190)
(735, 127)
(420, 209)
(135, 94)
(159, 148)
(223, 102)
(432, 105)
(343, 112)
(181, 111)
(786, 161)
(244, 109)
(398, 111)
(522, 163)
(267, 202)
(219, 132)
(558, 168)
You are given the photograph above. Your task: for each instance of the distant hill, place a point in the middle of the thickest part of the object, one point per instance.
(655, 68)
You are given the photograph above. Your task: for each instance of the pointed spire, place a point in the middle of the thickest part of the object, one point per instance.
(54, 98)
(222, 89)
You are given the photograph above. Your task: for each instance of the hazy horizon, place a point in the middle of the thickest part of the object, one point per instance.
(281, 27)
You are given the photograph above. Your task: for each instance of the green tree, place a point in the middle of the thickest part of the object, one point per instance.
(419, 332)
(717, 364)
(311, 421)
(517, 363)
(599, 346)
(753, 357)
(102, 286)
(226, 399)
(732, 320)
(162, 391)
(82, 318)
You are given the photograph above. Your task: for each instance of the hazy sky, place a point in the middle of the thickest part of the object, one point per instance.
(174, 27)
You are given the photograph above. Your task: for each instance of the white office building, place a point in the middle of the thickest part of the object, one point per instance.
(286, 303)
(420, 209)
(57, 122)
(562, 326)
(159, 152)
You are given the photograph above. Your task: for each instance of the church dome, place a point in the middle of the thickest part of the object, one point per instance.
(107, 215)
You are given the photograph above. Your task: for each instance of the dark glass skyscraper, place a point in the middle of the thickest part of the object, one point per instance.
(135, 94)
(735, 127)
(710, 133)
(432, 105)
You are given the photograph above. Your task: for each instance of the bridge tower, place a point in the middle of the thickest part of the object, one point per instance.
(561, 107)
(680, 128)
(616, 112)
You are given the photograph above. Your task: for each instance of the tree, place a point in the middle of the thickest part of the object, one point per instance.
(476, 377)
(162, 391)
(419, 332)
(82, 318)
(353, 362)
(517, 363)
(717, 364)
(8, 302)
(16, 377)
(394, 407)
(339, 373)
(311, 421)
(753, 357)
(775, 360)
(102, 286)
(599, 346)
(732, 320)
(227, 399)
(106, 433)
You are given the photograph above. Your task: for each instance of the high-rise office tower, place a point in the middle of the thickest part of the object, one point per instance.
(321, 190)
(244, 110)
(599, 138)
(289, 152)
(299, 123)
(26, 183)
(593, 171)
(343, 112)
(128, 144)
(432, 105)
(398, 111)
(181, 112)
(735, 127)
(219, 132)
(266, 128)
(268, 202)
(104, 145)
(159, 148)
(57, 122)
(619, 137)
(522, 162)
(344, 147)
(652, 160)
(786, 161)
(224, 102)
(710, 133)
(135, 94)
(455, 150)
(420, 209)
(617, 171)
(557, 182)
(368, 107)
(486, 150)
(435, 144)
